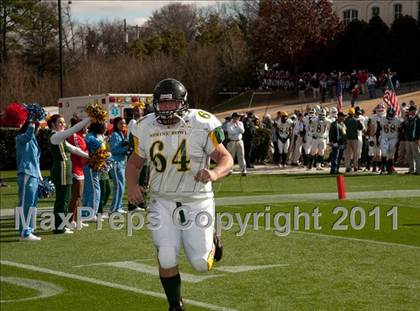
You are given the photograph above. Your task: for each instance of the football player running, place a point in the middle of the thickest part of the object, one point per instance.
(388, 128)
(178, 142)
(319, 140)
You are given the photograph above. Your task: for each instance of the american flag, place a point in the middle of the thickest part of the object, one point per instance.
(390, 97)
(339, 94)
(340, 102)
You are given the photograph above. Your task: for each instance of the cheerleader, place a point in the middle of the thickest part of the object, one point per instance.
(28, 176)
(119, 148)
(78, 140)
(95, 140)
(61, 170)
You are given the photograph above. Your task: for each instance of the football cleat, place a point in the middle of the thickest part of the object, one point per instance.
(218, 253)
(178, 307)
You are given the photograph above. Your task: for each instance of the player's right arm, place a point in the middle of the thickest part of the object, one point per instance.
(134, 167)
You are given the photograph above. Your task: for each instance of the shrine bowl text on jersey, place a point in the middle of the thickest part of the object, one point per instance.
(177, 152)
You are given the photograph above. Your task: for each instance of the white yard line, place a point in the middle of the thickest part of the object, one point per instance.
(109, 284)
(153, 270)
(246, 268)
(104, 263)
(43, 289)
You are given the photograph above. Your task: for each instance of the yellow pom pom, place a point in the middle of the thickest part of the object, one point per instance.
(98, 160)
(139, 104)
(48, 117)
(97, 113)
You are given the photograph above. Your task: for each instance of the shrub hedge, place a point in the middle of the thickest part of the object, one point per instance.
(8, 148)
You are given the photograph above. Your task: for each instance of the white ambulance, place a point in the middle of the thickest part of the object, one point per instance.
(117, 105)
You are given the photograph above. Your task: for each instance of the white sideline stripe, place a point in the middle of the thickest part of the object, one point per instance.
(331, 236)
(302, 197)
(109, 284)
(390, 204)
(356, 239)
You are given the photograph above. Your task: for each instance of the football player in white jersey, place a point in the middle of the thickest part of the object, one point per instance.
(298, 137)
(319, 140)
(309, 122)
(359, 116)
(179, 142)
(388, 128)
(333, 114)
(374, 152)
(284, 132)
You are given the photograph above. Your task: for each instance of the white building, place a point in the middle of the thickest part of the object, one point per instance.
(388, 10)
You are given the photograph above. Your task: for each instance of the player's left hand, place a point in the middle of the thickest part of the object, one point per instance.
(205, 175)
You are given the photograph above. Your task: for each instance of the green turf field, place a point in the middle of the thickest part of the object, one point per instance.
(323, 269)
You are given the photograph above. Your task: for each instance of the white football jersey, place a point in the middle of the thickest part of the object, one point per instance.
(372, 126)
(389, 128)
(285, 129)
(321, 127)
(177, 152)
(363, 121)
(310, 125)
(298, 127)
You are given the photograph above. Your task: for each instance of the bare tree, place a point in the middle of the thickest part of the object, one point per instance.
(175, 15)
(112, 37)
(72, 38)
(203, 73)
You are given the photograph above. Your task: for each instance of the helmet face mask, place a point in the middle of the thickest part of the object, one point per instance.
(311, 113)
(169, 101)
(390, 113)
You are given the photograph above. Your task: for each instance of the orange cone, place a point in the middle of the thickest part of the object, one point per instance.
(341, 189)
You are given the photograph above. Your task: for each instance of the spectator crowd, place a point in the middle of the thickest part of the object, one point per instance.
(321, 85)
